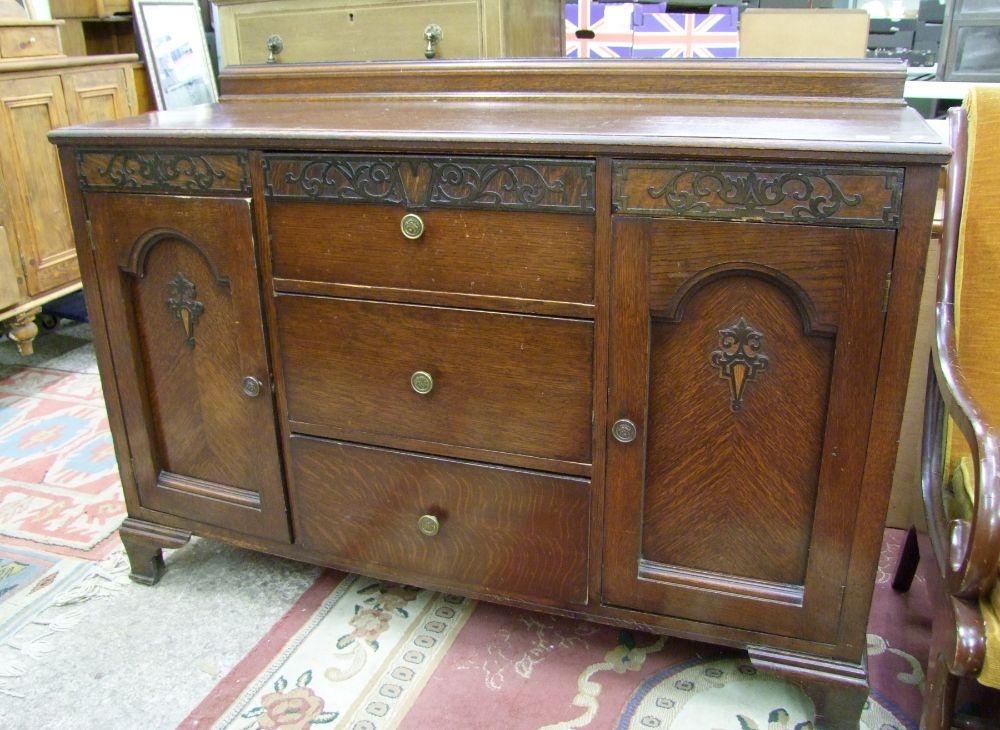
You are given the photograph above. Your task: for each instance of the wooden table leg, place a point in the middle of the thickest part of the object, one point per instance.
(23, 331)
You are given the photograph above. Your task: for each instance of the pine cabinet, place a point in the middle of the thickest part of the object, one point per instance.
(36, 97)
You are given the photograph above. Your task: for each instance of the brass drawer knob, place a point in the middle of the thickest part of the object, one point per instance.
(433, 34)
(429, 525)
(275, 45)
(422, 382)
(251, 386)
(624, 431)
(412, 226)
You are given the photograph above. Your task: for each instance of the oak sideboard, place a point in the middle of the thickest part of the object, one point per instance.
(617, 340)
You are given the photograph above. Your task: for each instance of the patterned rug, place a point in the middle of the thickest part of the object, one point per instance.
(58, 479)
(360, 654)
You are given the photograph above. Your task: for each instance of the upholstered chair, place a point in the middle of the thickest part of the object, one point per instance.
(961, 444)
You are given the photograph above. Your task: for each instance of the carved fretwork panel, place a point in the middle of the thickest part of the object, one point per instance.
(421, 182)
(841, 195)
(752, 409)
(164, 171)
(180, 279)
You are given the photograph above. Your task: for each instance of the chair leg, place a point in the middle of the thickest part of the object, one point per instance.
(939, 698)
(909, 559)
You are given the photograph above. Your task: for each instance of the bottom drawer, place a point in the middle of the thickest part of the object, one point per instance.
(499, 531)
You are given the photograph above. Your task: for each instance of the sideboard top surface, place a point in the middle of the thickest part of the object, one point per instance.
(544, 108)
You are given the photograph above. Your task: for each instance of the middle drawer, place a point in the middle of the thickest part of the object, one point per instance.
(503, 383)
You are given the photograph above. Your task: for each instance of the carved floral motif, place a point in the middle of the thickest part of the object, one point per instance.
(739, 358)
(182, 303)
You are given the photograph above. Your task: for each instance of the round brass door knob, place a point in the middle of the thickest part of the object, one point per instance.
(624, 431)
(429, 525)
(422, 382)
(412, 226)
(251, 386)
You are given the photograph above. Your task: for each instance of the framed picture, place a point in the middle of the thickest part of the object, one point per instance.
(173, 43)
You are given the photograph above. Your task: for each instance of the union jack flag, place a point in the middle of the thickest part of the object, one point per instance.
(688, 35)
(599, 30)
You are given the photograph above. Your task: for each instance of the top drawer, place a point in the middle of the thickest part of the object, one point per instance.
(23, 41)
(498, 227)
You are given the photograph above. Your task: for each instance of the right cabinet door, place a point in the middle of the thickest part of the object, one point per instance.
(742, 378)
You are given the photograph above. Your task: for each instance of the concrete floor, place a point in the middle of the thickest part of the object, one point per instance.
(145, 657)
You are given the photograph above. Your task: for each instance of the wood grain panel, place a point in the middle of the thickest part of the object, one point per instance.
(10, 289)
(538, 256)
(854, 196)
(180, 289)
(751, 475)
(159, 170)
(869, 79)
(811, 263)
(502, 382)
(502, 531)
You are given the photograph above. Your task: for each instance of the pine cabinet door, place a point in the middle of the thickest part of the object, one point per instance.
(181, 295)
(743, 365)
(30, 108)
(97, 95)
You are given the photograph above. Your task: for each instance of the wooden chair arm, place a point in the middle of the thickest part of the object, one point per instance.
(968, 551)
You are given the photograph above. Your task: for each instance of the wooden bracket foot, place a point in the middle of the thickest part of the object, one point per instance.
(144, 543)
(838, 689)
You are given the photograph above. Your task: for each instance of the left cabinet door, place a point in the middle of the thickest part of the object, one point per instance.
(181, 296)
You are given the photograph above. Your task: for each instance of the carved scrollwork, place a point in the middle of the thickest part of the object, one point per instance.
(515, 185)
(347, 178)
(739, 358)
(420, 182)
(182, 302)
(163, 170)
(772, 193)
(748, 194)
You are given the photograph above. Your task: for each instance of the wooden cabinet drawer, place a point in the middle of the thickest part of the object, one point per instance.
(523, 255)
(503, 385)
(499, 531)
(29, 40)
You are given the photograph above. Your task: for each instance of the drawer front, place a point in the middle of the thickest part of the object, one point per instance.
(533, 256)
(502, 383)
(355, 31)
(27, 41)
(831, 195)
(499, 531)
